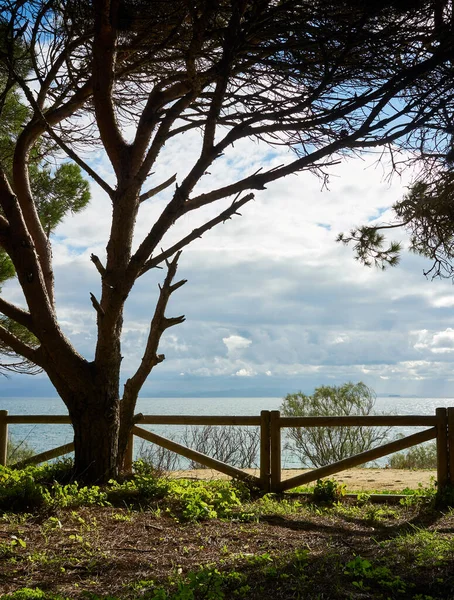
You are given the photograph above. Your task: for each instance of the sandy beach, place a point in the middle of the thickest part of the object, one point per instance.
(355, 479)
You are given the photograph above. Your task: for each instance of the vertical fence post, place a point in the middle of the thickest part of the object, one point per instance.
(3, 436)
(451, 444)
(129, 455)
(442, 448)
(265, 450)
(275, 447)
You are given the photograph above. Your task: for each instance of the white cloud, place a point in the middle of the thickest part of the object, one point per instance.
(440, 342)
(245, 372)
(236, 343)
(270, 295)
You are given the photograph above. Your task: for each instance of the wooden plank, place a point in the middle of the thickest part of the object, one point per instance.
(275, 443)
(359, 459)
(197, 420)
(442, 447)
(129, 454)
(51, 419)
(44, 456)
(371, 420)
(3, 436)
(387, 421)
(265, 450)
(203, 459)
(451, 444)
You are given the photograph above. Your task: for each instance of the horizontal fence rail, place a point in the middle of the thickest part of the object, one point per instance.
(271, 423)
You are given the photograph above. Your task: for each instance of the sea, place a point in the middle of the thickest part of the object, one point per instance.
(43, 437)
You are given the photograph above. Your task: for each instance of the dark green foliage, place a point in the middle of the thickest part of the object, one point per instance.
(6, 267)
(34, 487)
(427, 214)
(368, 246)
(59, 193)
(328, 491)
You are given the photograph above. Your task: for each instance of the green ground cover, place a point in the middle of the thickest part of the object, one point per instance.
(161, 539)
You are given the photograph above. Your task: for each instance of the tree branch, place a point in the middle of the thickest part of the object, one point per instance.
(98, 264)
(159, 324)
(157, 189)
(17, 314)
(197, 233)
(104, 60)
(98, 308)
(19, 347)
(77, 159)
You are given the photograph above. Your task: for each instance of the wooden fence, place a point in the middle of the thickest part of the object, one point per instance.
(439, 427)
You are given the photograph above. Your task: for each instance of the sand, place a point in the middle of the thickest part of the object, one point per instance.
(355, 479)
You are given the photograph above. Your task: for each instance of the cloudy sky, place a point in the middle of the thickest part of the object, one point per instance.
(273, 304)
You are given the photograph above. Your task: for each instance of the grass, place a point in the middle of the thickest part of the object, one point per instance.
(161, 539)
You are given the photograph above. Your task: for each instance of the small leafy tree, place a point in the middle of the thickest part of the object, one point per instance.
(319, 446)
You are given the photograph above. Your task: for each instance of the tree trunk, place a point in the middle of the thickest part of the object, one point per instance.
(96, 429)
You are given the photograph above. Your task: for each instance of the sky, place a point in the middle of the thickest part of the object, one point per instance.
(273, 303)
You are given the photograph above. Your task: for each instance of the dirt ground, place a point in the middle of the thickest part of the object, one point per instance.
(355, 479)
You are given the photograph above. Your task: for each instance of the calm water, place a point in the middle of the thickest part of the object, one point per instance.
(44, 437)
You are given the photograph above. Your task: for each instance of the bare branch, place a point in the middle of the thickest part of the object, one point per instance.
(77, 159)
(96, 305)
(98, 264)
(157, 189)
(197, 233)
(159, 324)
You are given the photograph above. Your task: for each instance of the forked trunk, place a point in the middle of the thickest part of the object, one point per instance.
(96, 431)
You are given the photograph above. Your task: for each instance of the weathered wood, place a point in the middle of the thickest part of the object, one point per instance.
(197, 420)
(359, 459)
(377, 420)
(275, 447)
(451, 444)
(47, 419)
(44, 456)
(357, 420)
(203, 459)
(442, 448)
(270, 423)
(265, 450)
(129, 454)
(3, 436)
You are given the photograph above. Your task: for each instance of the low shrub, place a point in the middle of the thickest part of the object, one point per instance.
(19, 490)
(328, 491)
(423, 456)
(37, 486)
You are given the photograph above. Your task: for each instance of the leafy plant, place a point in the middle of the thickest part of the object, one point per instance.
(328, 491)
(34, 487)
(363, 574)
